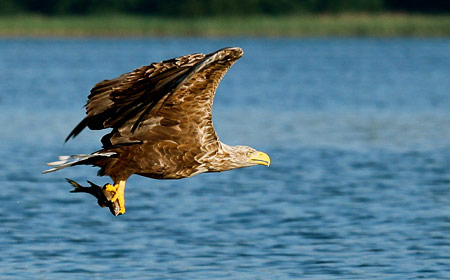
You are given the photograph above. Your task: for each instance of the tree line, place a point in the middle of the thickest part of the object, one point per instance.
(195, 8)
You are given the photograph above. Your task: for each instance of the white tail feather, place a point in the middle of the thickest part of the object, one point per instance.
(66, 161)
(54, 163)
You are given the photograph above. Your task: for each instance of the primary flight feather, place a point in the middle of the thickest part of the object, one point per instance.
(161, 120)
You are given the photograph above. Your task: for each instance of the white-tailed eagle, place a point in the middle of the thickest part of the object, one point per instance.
(161, 121)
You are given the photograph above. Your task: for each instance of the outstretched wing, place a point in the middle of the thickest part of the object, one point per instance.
(171, 100)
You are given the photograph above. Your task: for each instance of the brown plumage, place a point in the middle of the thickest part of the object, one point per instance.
(161, 120)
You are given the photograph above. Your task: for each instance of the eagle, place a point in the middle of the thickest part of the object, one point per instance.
(160, 116)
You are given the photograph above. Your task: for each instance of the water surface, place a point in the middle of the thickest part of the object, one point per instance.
(359, 135)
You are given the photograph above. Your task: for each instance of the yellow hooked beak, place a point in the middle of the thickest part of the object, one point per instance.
(259, 158)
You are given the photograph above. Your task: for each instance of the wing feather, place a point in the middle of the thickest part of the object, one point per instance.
(170, 100)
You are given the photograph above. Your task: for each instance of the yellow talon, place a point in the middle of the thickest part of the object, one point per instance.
(110, 188)
(119, 194)
(115, 197)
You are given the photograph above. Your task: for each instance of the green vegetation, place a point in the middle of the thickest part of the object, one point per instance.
(275, 26)
(224, 18)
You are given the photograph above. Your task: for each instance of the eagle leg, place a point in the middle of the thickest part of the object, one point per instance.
(119, 194)
(101, 193)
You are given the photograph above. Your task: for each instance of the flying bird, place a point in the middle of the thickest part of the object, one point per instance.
(161, 121)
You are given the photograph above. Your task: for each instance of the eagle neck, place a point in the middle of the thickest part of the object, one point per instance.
(225, 159)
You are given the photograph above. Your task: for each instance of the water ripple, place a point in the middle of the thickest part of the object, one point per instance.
(358, 188)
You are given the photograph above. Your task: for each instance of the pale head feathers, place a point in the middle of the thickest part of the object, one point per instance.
(232, 157)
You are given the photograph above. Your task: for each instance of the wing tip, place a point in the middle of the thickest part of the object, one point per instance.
(77, 129)
(232, 53)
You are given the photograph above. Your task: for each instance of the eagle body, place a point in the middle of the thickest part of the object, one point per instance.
(161, 121)
(171, 161)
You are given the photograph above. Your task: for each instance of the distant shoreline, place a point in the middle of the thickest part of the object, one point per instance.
(343, 25)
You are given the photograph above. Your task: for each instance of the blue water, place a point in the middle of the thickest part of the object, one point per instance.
(359, 187)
